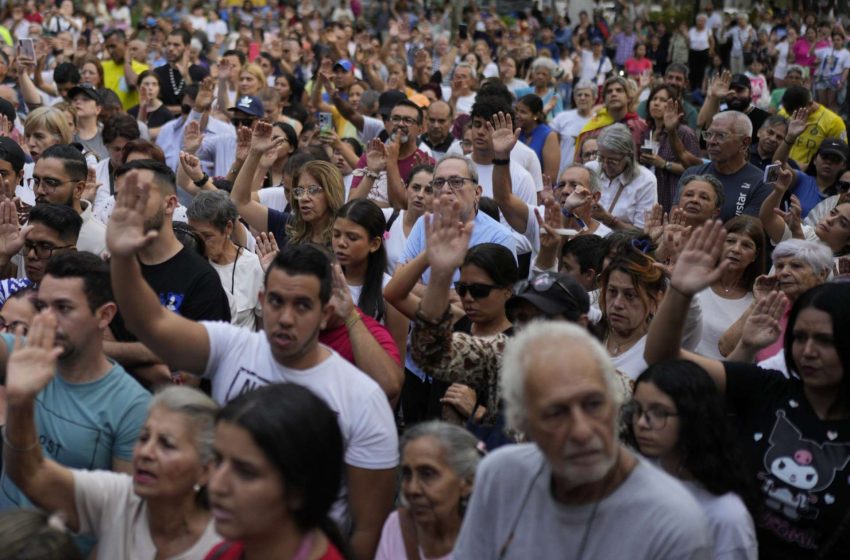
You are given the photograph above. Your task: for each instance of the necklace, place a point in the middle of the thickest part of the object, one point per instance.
(174, 87)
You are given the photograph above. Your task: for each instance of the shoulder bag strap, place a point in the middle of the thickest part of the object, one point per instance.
(616, 197)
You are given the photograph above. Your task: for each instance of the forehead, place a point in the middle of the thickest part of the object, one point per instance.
(282, 283)
(438, 109)
(52, 288)
(50, 167)
(41, 232)
(451, 167)
(620, 279)
(791, 260)
(778, 128)
(615, 87)
(575, 174)
(562, 373)
(698, 187)
(405, 111)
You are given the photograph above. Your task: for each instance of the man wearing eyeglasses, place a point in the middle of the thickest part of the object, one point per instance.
(383, 170)
(59, 177)
(52, 229)
(728, 139)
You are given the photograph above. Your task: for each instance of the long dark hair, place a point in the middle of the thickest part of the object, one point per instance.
(834, 300)
(496, 261)
(672, 91)
(299, 434)
(752, 228)
(707, 443)
(370, 217)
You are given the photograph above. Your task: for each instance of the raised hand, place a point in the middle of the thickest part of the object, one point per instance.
(502, 135)
(125, 233)
(578, 198)
(326, 82)
(262, 140)
(549, 223)
(341, 299)
(672, 116)
(654, 221)
(446, 236)
(786, 177)
(191, 166)
(793, 217)
(32, 364)
(376, 156)
(192, 137)
(224, 70)
(719, 87)
(267, 249)
(697, 266)
(764, 286)
(798, 122)
(762, 327)
(243, 142)
(12, 235)
(393, 148)
(206, 94)
(90, 190)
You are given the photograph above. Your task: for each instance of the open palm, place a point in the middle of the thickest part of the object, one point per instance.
(12, 236)
(697, 266)
(32, 364)
(446, 236)
(762, 327)
(125, 233)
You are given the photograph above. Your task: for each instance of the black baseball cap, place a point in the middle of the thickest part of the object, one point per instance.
(10, 151)
(388, 100)
(85, 89)
(553, 293)
(740, 81)
(836, 147)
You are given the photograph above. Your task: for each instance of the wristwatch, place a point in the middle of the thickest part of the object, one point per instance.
(668, 165)
(202, 181)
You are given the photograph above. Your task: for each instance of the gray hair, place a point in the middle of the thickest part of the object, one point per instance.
(796, 68)
(470, 165)
(719, 191)
(459, 445)
(540, 340)
(584, 84)
(468, 67)
(543, 62)
(593, 178)
(199, 410)
(814, 253)
(213, 207)
(618, 138)
(741, 123)
(774, 120)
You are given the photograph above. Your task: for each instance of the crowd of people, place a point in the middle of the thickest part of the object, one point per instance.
(396, 280)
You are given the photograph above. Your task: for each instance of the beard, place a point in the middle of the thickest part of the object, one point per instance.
(69, 202)
(155, 222)
(738, 104)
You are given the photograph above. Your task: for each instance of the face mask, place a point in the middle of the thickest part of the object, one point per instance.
(185, 109)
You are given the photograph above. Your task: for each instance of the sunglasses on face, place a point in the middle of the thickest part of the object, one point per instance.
(477, 291)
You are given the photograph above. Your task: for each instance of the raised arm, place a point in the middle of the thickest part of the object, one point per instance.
(255, 213)
(181, 343)
(30, 368)
(503, 139)
(399, 291)
(797, 124)
(695, 270)
(773, 223)
(718, 89)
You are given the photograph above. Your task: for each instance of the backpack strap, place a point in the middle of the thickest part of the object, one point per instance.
(396, 213)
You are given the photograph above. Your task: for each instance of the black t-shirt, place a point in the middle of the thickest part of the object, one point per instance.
(172, 84)
(757, 117)
(156, 118)
(801, 464)
(185, 284)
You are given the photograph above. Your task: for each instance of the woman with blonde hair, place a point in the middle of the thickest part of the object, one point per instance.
(44, 127)
(252, 80)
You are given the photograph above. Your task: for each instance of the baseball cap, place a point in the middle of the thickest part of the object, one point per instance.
(740, 81)
(388, 100)
(834, 146)
(250, 105)
(596, 41)
(345, 64)
(86, 89)
(552, 293)
(10, 151)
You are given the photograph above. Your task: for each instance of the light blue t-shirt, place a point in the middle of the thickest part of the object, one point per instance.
(84, 425)
(485, 230)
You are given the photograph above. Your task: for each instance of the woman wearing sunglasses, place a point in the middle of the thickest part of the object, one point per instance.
(677, 418)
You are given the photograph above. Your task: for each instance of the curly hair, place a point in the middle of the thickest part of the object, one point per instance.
(706, 442)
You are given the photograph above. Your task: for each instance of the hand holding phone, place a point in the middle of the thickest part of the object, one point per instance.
(26, 48)
(771, 173)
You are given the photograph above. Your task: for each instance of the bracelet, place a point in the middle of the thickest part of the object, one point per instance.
(787, 142)
(353, 319)
(373, 174)
(9, 445)
(202, 181)
(668, 165)
(501, 161)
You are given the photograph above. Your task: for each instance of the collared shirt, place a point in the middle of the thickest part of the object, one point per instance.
(625, 47)
(636, 197)
(170, 139)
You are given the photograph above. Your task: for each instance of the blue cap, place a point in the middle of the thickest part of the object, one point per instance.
(251, 105)
(345, 64)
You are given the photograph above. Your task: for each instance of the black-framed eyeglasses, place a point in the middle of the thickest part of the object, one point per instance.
(656, 416)
(42, 249)
(542, 283)
(49, 183)
(477, 291)
(455, 183)
(398, 119)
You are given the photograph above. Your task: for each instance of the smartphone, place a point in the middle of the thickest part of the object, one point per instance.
(771, 173)
(646, 150)
(325, 122)
(462, 31)
(26, 47)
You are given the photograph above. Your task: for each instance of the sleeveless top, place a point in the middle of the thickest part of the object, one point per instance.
(536, 140)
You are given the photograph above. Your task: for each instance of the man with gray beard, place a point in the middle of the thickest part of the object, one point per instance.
(184, 281)
(576, 491)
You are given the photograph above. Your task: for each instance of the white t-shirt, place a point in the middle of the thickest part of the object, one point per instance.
(718, 314)
(831, 62)
(697, 39)
(522, 186)
(242, 281)
(355, 291)
(528, 160)
(214, 28)
(731, 525)
(631, 363)
(394, 239)
(241, 360)
(594, 69)
(109, 509)
(464, 104)
(781, 67)
(568, 125)
(273, 197)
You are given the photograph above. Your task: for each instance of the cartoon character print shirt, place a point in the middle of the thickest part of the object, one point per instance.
(800, 465)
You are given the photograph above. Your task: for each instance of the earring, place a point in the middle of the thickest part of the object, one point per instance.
(196, 488)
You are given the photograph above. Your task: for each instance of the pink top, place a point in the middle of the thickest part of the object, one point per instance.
(636, 67)
(391, 546)
(801, 54)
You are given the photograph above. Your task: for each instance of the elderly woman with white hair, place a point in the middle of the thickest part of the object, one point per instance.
(569, 124)
(542, 81)
(438, 463)
(798, 265)
(629, 189)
